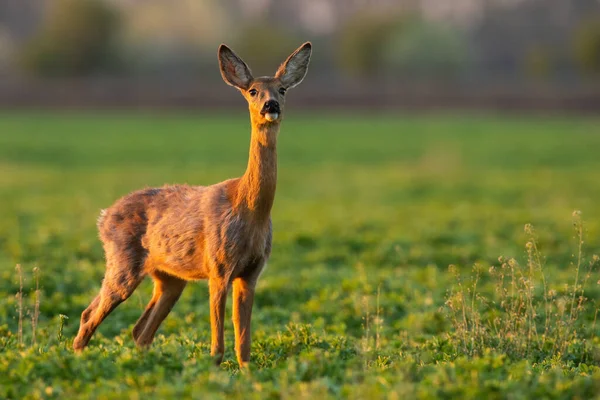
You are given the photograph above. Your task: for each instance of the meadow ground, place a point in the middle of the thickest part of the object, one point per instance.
(358, 299)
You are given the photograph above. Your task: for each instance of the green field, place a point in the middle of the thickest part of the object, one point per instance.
(358, 299)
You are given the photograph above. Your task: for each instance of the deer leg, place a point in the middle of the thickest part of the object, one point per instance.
(218, 298)
(115, 290)
(243, 298)
(141, 322)
(85, 316)
(169, 288)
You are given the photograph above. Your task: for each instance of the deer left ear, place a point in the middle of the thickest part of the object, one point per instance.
(293, 70)
(234, 70)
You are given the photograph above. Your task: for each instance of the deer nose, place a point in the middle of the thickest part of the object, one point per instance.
(271, 106)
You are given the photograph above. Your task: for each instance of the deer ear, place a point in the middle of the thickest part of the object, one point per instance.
(234, 71)
(293, 70)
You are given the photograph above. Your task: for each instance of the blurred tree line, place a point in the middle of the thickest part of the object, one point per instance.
(392, 40)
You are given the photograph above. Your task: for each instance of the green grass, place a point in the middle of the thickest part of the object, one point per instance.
(357, 300)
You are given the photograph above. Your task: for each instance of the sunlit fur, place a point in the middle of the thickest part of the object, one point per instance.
(179, 233)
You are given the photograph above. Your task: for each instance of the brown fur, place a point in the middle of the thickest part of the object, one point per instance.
(179, 233)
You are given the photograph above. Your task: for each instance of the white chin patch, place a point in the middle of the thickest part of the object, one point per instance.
(271, 116)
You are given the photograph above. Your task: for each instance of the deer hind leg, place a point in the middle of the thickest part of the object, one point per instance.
(141, 322)
(167, 290)
(85, 316)
(116, 288)
(243, 298)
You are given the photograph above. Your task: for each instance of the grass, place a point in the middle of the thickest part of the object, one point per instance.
(357, 300)
(518, 320)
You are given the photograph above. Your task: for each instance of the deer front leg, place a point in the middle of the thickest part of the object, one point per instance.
(218, 298)
(243, 298)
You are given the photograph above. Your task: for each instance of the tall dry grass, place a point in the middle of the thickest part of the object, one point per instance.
(525, 315)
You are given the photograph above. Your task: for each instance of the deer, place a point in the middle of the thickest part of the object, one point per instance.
(221, 233)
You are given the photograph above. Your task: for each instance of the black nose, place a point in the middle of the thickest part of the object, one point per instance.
(271, 106)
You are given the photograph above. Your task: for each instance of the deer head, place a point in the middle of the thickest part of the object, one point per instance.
(265, 95)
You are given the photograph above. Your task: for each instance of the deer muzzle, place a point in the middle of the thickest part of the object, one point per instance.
(271, 110)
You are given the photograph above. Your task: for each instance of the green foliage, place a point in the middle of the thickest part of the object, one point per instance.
(587, 46)
(370, 212)
(538, 62)
(263, 47)
(362, 42)
(7, 49)
(371, 44)
(427, 50)
(76, 38)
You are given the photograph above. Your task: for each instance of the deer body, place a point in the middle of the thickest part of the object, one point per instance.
(192, 229)
(181, 233)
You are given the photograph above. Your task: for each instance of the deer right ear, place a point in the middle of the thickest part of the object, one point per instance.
(234, 71)
(293, 70)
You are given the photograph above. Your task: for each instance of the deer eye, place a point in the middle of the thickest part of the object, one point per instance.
(253, 92)
(282, 90)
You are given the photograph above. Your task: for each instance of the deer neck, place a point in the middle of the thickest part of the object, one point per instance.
(256, 190)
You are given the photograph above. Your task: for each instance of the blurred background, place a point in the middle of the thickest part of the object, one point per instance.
(493, 54)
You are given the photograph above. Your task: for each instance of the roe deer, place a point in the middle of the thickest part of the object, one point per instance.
(181, 233)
